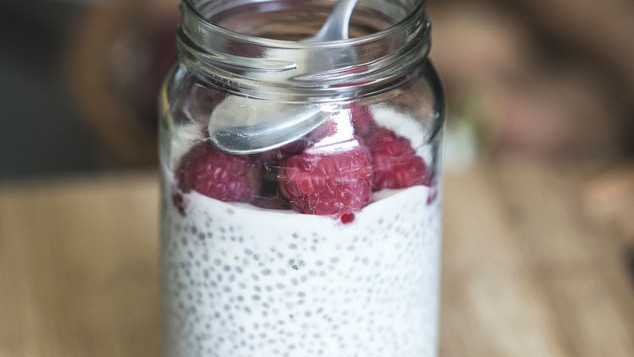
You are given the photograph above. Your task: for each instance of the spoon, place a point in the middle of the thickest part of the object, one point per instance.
(241, 125)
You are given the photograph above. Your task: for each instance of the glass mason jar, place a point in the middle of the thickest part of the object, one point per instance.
(326, 243)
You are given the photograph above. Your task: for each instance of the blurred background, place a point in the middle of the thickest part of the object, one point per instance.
(552, 80)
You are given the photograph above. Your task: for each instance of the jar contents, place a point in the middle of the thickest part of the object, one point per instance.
(300, 181)
(326, 246)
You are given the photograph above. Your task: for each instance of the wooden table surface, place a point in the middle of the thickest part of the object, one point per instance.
(526, 272)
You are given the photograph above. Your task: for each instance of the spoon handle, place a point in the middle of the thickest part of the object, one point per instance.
(336, 26)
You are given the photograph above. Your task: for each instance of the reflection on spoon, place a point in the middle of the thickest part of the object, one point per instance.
(242, 125)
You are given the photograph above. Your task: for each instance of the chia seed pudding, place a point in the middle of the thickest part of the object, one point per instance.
(242, 281)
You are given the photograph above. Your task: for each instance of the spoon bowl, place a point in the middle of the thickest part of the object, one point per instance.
(241, 125)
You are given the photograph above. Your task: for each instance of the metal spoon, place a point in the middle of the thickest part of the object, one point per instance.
(246, 126)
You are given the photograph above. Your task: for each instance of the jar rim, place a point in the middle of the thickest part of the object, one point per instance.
(403, 24)
(271, 67)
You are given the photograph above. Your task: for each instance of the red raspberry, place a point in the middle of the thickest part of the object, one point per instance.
(394, 161)
(322, 183)
(362, 120)
(217, 174)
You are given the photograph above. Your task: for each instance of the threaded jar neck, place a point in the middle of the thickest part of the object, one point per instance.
(255, 48)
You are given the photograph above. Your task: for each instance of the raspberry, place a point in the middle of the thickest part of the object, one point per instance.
(216, 174)
(323, 183)
(362, 120)
(394, 161)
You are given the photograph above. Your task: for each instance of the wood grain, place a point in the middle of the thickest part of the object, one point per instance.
(78, 268)
(526, 273)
